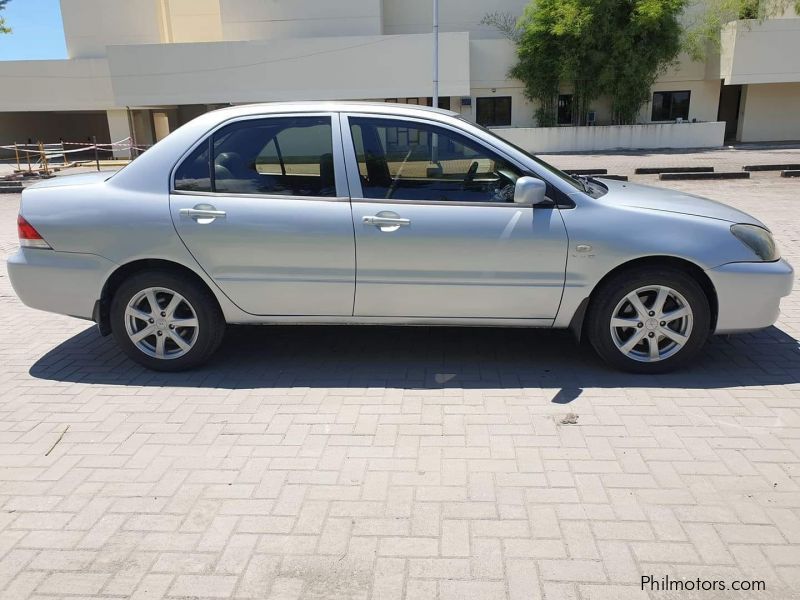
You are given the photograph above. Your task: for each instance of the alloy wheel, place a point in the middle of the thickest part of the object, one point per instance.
(651, 323)
(161, 323)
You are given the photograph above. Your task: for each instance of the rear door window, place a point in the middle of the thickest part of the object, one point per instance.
(287, 156)
(284, 156)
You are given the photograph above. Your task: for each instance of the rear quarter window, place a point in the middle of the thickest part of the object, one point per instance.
(194, 173)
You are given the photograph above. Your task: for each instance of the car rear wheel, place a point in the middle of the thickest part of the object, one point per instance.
(649, 320)
(166, 321)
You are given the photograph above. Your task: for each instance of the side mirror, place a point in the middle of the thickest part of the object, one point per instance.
(529, 190)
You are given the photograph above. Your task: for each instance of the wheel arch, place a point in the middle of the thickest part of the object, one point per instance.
(698, 274)
(101, 313)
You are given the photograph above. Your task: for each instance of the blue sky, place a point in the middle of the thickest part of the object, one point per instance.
(38, 32)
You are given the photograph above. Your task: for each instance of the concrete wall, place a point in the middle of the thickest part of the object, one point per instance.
(779, 9)
(770, 112)
(192, 20)
(33, 85)
(416, 16)
(490, 61)
(293, 69)
(767, 52)
(280, 19)
(612, 137)
(91, 25)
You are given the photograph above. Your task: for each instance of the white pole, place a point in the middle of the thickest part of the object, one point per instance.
(435, 102)
(436, 53)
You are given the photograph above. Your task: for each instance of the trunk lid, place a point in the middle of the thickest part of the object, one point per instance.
(77, 179)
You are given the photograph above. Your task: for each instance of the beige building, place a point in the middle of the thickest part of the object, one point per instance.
(140, 68)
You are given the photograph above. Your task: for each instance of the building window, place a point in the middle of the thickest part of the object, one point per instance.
(494, 112)
(669, 106)
(444, 102)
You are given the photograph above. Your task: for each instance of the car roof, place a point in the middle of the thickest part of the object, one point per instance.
(155, 164)
(335, 106)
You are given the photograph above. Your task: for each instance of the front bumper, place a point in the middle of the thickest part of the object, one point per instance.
(749, 294)
(67, 283)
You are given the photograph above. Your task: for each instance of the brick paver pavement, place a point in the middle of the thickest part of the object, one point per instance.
(382, 463)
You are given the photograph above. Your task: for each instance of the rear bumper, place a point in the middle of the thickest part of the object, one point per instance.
(749, 294)
(66, 283)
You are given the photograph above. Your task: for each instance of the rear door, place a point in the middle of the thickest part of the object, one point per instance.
(263, 206)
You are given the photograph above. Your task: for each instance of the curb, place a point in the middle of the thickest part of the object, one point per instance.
(658, 170)
(772, 167)
(11, 187)
(705, 175)
(586, 171)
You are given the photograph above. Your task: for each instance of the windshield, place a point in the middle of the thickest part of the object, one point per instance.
(582, 184)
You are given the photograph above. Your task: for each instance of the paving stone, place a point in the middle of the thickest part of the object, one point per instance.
(424, 463)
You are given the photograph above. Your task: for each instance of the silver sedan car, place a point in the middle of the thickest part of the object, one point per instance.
(360, 213)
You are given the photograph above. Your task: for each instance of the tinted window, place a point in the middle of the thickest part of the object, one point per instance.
(193, 174)
(283, 156)
(668, 106)
(494, 112)
(405, 160)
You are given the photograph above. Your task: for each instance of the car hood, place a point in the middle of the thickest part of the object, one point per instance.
(77, 179)
(623, 193)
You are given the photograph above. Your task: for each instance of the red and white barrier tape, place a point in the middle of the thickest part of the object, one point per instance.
(57, 149)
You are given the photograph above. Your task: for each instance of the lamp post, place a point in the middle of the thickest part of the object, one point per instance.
(435, 54)
(435, 99)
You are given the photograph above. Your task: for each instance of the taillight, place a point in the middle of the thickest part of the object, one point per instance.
(28, 236)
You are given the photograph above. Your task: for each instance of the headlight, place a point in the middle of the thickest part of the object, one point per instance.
(758, 239)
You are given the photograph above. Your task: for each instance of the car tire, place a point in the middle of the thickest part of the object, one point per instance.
(662, 332)
(181, 332)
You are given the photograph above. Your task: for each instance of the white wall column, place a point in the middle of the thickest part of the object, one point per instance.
(119, 129)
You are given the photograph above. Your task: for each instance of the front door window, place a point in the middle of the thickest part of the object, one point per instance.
(406, 160)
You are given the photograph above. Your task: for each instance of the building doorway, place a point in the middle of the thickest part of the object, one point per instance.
(730, 97)
(564, 109)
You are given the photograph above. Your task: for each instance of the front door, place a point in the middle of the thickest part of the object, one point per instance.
(263, 207)
(438, 234)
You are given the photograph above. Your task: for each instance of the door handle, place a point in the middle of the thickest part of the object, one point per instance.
(386, 221)
(203, 213)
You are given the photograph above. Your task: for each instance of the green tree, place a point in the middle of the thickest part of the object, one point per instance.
(614, 47)
(3, 28)
(643, 40)
(537, 53)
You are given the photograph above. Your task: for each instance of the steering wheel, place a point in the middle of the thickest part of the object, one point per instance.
(503, 189)
(473, 168)
(507, 174)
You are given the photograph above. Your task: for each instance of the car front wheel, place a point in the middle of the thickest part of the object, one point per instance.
(166, 321)
(649, 320)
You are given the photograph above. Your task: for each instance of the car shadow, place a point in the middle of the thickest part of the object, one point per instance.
(421, 358)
